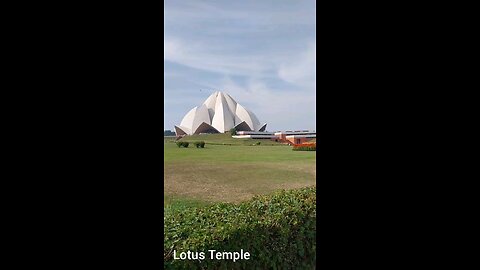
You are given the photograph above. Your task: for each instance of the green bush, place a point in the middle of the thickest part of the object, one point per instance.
(200, 144)
(278, 231)
(258, 143)
(184, 144)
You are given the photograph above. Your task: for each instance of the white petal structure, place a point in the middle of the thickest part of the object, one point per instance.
(218, 114)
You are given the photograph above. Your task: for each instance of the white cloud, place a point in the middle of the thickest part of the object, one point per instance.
(259, 13)
(280, 109)
(301, 69)
(203, 56)
(260, 52)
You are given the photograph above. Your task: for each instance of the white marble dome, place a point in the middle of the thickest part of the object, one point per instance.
(218, 114)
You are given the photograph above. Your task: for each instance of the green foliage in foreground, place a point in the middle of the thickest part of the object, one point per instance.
(278, 231)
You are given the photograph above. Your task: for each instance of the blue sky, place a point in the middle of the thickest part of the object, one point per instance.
(262, 53)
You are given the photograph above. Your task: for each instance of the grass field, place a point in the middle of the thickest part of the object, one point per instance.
(232, 173)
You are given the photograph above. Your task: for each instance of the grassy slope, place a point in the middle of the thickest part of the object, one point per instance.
(194, 177)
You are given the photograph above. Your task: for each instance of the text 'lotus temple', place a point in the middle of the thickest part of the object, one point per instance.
(218, 114)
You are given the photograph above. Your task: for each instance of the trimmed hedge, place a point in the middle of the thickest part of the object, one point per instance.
(277, 230)
(199, 144)
(304, 148)
(180, 144)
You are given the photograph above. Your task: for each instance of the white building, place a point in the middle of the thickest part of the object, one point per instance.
(218, 114)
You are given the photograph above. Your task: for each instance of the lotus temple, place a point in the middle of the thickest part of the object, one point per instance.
(218, 114)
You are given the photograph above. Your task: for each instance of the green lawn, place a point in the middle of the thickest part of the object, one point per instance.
(232, 173)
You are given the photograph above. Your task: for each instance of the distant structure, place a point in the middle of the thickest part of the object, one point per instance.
(290, 137)
(218, 114)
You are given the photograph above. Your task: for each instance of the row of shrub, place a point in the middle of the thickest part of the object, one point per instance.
(304, 148)
(214, 143)
(278, 231)
(196, 144)
(308, 144)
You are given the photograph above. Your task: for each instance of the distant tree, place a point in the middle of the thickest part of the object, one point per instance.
(168, 133)
(233, 131)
